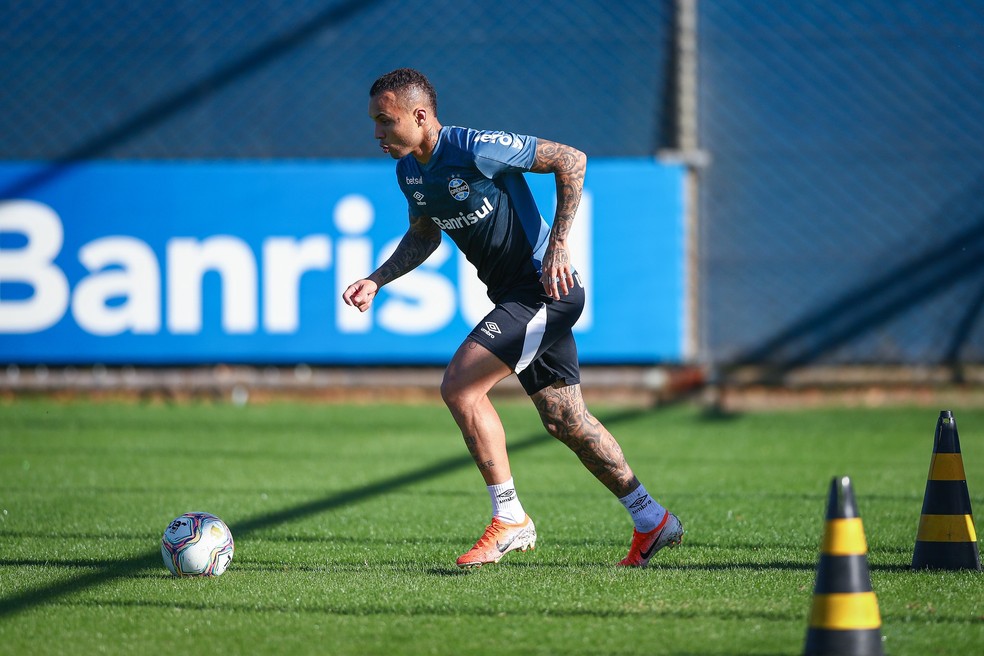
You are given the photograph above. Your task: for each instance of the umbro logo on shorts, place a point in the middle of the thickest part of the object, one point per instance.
(491, 329)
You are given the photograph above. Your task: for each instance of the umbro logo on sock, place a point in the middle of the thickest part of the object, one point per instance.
(506, 495)
(640, 504)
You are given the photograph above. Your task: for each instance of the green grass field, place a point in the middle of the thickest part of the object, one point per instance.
(348, 518)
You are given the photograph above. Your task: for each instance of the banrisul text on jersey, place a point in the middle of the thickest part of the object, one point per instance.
(462, 220)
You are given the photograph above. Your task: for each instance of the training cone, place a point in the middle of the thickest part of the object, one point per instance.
(946, 537)
(844, 619)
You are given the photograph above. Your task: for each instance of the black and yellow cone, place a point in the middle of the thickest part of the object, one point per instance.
(844, 619)
(946, 537)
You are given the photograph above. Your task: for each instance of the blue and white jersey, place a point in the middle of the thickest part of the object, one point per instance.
(473, 189)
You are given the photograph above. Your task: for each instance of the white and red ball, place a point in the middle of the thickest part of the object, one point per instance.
(197, 544)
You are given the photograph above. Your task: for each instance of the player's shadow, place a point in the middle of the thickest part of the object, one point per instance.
(137, 566)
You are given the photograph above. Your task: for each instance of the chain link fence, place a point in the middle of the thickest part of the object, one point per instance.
(841, 219)
(277, 79)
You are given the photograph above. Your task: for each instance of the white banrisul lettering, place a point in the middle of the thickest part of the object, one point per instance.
(188, 260)
(285, 260)
(122, 268)
(464, 220)
(353, 217)
(122, 290)
(33, 265)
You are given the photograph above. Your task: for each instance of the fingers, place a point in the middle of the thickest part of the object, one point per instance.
(360, 294)
(557, 283)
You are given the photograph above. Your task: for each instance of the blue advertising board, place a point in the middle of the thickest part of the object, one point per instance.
(245, 262)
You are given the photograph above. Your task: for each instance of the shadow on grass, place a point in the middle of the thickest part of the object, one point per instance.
(107, 572)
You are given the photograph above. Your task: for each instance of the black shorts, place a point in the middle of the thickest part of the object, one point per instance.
(531, 333)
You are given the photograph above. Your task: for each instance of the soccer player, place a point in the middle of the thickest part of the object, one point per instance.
(469, 184)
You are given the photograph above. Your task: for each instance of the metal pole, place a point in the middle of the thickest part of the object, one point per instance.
(687, 153)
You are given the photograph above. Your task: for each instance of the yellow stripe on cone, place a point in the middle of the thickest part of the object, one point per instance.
(844, 537)
(845, 611)
(947, 467)
(947, 528)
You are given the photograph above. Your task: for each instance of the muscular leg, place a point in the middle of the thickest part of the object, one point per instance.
(565, 416)
(473, 371)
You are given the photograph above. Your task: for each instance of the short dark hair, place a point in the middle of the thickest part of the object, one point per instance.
(406, 79)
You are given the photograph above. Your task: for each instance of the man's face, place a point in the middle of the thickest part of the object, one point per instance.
(397, 129)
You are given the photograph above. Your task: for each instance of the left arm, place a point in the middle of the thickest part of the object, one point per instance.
(568, 165)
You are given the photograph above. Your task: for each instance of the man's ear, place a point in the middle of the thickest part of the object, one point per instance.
(420, 115)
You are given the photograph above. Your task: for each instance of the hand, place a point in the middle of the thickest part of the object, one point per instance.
(556, 276)
(360, 294)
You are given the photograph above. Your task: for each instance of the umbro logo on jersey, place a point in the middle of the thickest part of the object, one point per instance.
(419, 197)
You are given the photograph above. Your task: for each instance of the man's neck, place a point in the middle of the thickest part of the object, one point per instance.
(429, 142)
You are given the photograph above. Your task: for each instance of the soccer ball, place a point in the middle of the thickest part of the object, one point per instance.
(197, 544)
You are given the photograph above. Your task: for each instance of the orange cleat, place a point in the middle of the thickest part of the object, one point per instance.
(669, 533)
(499, 539)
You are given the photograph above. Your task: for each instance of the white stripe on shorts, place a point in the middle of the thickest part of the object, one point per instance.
(534, 335)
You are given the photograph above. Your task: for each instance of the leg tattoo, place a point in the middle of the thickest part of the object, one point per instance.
(566, 417)
(483, 465)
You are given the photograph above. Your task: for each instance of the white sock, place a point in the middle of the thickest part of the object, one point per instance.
(645, 511)
(505, 502)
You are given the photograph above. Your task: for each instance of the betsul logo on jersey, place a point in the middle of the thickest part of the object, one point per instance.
(458, 189)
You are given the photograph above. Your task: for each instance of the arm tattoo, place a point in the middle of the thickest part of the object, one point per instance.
(568, 165)
(565, 416)
(422, 238)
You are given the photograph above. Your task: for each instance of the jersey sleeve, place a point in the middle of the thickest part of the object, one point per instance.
(498, 152)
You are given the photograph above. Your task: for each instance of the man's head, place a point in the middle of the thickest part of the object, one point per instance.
(409, 84)
(403, 105)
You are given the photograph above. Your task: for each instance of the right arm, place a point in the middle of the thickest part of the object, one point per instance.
(422, 238)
